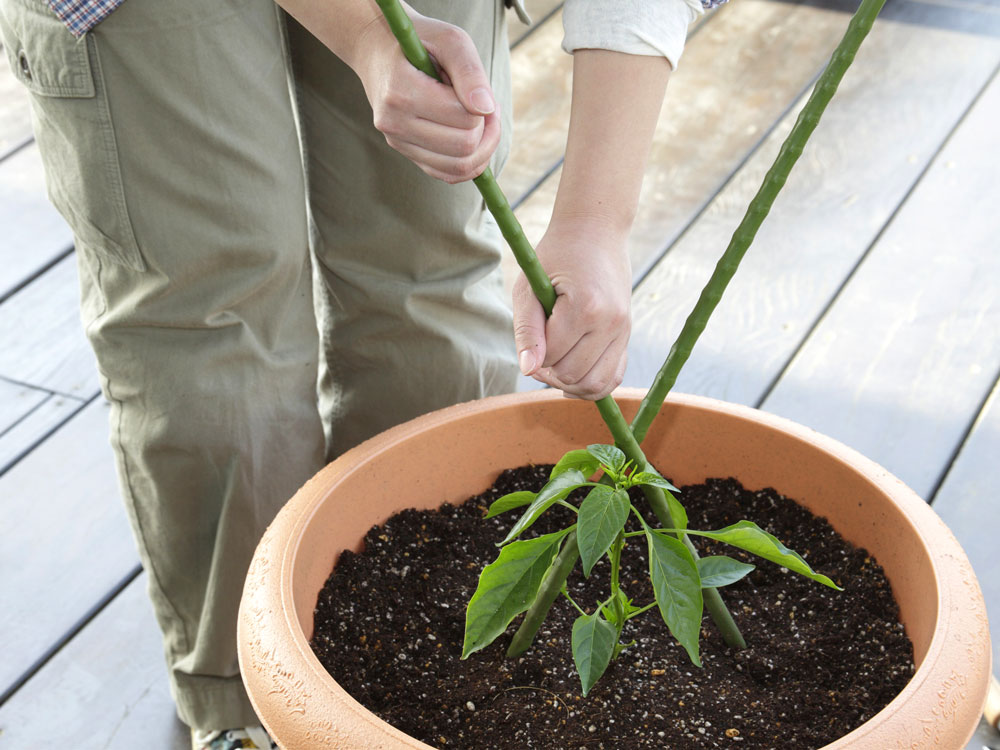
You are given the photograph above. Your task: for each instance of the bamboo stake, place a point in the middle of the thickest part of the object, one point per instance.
(496, 201)
(791, 149)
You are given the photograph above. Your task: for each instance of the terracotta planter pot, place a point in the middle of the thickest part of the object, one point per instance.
(456, 452)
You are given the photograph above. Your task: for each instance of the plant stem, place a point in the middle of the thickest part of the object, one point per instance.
(616, 602)
(572, 601)
(541, 285)
(643, 609)
(757, 211)
(626, 441)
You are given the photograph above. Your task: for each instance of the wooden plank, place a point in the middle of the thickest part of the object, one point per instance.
(96, 694)
(733, 82)
(541, 83)
(967, 502)
(879, 133)
(985, 738)
(35, 427)
(33, 234)
(44, 343)
(67, 541)
(901, 362)
(16, 402)
(15, 109)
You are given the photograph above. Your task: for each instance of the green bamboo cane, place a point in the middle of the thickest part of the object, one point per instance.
(415, 52)
(548, 592)
(496, 201)
(791, 149)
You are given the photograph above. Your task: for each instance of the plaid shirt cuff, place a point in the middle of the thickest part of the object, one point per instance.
(80, 16)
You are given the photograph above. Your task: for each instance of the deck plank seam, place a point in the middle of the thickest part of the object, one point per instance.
(713, 194)
(84, 399)
(49, 395)
(874, 242)
(16, 147)
(5, 379)
(38, 272)
(538, 182)
(71, 633)
(21, 455)
(978, 416)
(536, 25)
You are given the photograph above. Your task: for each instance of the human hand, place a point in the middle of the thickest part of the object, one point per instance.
(582, 347)
(450, 130)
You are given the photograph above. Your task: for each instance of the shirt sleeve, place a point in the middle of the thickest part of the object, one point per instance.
(637, 27)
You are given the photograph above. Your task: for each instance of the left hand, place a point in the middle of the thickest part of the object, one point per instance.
(581, 349)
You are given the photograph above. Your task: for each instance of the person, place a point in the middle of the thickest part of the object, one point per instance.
(267, 279)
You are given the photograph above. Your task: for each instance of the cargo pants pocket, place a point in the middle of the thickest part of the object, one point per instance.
(73, 127)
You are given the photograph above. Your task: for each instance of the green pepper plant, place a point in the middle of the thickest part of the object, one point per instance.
(509, 585)
(530, 574)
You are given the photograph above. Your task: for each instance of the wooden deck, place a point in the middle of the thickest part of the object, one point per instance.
(867, 309)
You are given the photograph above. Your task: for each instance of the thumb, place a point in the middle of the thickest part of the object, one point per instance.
(529, 330)
(459, 58)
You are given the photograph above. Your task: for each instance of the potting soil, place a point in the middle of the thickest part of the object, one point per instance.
(390, 624)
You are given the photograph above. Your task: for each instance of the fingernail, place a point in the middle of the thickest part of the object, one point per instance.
(526, 361)
(482, 101)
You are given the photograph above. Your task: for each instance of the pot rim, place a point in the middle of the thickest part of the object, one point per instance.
(947, 559)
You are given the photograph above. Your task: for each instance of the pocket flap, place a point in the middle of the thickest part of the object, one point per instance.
(44, 55)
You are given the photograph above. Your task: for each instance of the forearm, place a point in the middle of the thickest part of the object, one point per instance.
(341, 25)
(616, 102)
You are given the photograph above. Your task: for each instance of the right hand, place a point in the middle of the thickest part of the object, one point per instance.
(583, 346)
(450, 130)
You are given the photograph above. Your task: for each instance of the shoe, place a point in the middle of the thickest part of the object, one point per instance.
(232, 739)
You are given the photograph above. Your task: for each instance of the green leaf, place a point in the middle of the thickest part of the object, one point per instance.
(677, 586)
(750, 537)
(556, 489)
(608, 455)
(580, 460)
(507, 587)
(677, 512)
(602, 515)
(509, 502)
(593, 643)
(718, 570)
(651, 477)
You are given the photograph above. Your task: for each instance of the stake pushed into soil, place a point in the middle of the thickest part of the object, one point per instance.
(415, 52)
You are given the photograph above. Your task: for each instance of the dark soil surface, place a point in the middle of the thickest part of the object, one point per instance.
(390, 623)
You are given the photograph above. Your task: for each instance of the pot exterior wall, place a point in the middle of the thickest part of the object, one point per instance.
(415, 465)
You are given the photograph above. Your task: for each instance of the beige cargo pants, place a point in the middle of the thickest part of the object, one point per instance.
(243, 234)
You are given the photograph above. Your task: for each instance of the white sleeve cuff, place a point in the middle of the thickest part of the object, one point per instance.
(637, 27)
